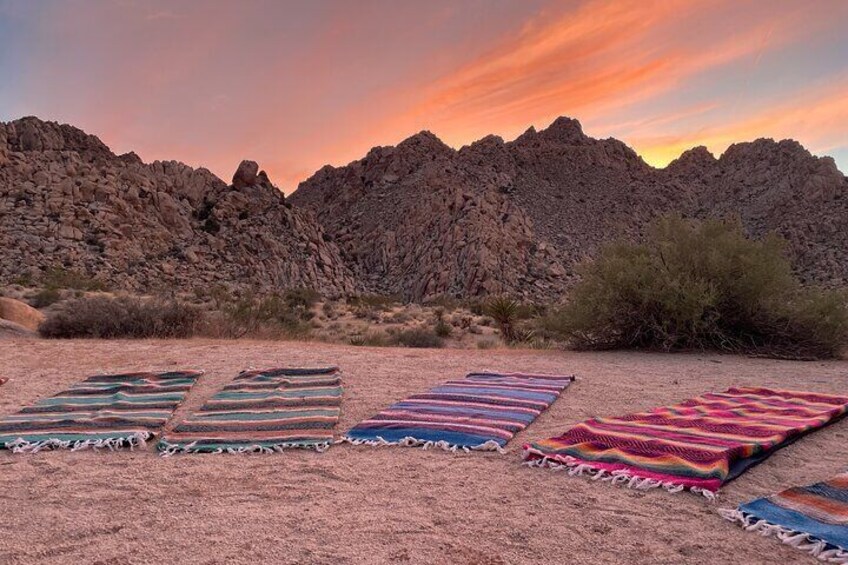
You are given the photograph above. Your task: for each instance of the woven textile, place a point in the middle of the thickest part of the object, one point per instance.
(699, 444)
(264, 411)
(102, 411)
(482, 411)
(812, 518)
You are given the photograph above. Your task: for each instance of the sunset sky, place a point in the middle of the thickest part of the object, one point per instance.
(297, 85)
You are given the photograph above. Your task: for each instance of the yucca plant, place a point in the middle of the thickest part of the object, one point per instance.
(504, 311)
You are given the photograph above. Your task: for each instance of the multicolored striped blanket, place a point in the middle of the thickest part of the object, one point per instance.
(813, 518)
(102, 411)
(263, 411)
(482, 411)
(699, 444)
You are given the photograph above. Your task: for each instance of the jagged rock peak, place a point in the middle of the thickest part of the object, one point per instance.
(764, 146)
(564, 130)
(33, 134)
(246, 174)
(425, 141)
(695, 158)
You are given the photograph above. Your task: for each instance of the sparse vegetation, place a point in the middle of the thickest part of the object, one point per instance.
(45, 297)
(442, 329)
(271, 316)
(701, 285)
(106, 317)
(57, 278)
(419, 337)
(372, 339)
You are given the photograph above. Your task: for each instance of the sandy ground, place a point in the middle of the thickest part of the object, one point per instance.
(384, 505)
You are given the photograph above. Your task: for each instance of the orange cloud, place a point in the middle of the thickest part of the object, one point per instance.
(589, 63)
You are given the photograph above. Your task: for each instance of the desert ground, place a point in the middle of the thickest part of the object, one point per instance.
(383, 505)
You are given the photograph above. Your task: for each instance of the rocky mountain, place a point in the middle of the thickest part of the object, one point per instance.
(67, 200)
(422, 219)
(418, 220)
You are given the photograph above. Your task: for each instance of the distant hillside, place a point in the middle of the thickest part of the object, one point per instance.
(422, 219)
(67, 200)
(419, 220)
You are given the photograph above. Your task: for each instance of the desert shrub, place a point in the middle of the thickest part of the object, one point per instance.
(442, 329)
(486, 343)
(700, 285)
(399, 318)
(45, 297)
(329, 310)
(445, 302)
(122, 317)
(380, 302)
(23, 280)
(419, 337)
(475, 306)
(372, 339)
(302, 298)
(370, 306)
(58, 278)
(261, 316)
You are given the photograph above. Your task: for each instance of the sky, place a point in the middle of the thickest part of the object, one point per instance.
(295, 85)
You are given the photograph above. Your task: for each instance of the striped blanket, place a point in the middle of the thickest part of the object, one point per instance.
(482, 411)
(812, 518)
(699, 444)
(263, 411)
(102, 411)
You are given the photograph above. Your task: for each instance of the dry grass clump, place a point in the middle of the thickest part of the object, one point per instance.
(268, 317)
(106, 317)
(701, 285)
(419, 337)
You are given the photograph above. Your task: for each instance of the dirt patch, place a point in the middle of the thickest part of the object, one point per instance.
(371, 505)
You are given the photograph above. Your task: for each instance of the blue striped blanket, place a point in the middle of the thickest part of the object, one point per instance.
(482, 412)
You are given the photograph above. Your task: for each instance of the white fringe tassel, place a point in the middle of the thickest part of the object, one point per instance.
(169, 449)
(490, 445)
(20, 445)
(799, 540)
(575, 468)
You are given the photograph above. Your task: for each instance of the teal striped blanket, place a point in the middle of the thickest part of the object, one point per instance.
(102, 411)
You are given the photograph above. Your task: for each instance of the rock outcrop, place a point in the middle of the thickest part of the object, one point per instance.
(20, 313)
(421, 219)
(67, 200)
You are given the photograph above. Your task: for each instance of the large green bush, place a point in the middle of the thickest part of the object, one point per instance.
(701, 285)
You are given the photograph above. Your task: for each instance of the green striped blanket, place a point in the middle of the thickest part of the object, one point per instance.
(102, 411)
(263, 411)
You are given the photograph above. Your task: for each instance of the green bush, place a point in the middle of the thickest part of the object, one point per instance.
(700, 285)
(122, 317)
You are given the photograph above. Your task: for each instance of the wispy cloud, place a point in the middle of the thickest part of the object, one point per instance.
(298, 85)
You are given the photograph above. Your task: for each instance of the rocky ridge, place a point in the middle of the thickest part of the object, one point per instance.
(418, 220)
(67, 200)
(422, 219)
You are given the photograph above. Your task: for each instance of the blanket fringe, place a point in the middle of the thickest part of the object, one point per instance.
(575, 468)
(167, 449)
(20, 445)
(799, 540)
(490, 445)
